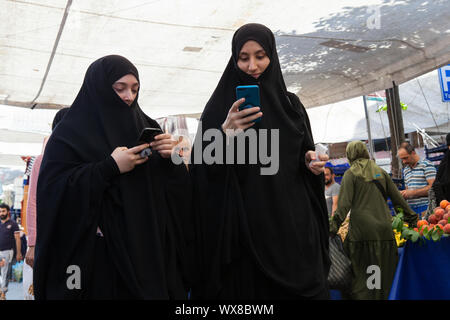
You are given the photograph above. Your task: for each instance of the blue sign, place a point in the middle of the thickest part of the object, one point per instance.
(444, 80)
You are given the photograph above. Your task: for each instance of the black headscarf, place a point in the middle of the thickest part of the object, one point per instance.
(80, 188)
(441, 185)
(279, 220)
(58, 117)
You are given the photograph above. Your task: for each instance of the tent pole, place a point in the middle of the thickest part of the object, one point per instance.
(52, 55)
(396, 127)
(371, 146)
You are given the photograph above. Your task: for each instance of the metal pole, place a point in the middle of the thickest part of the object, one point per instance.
(52, 55)
(371, 147)
(395, 167)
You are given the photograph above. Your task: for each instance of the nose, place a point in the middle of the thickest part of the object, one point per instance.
(128, 96)
(252, 64)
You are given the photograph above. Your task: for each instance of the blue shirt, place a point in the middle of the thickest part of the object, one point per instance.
(416, 178)
(7, 230)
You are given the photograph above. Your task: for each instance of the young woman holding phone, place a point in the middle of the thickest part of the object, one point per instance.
(109, 225)
(260, 236)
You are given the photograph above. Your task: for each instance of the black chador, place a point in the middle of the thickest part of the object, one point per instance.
(260, 236)
(143, 214)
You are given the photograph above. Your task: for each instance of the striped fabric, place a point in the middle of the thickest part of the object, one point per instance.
(416, 178)
(30, 165)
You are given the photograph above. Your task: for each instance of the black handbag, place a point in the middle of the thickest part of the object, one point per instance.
(341, 274)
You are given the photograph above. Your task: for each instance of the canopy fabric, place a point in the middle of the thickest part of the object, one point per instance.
(346, 120)
(329, 50)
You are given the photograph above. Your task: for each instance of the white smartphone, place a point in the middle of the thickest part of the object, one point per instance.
(321, 149)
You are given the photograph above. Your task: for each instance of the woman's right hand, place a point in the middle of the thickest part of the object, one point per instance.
(126, 159)
(29, 256)
(239, 119)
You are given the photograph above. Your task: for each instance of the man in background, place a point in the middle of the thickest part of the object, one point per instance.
(9, 237)
(331, 191)
(419, 176)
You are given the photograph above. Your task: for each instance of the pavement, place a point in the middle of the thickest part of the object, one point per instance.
(15, 291)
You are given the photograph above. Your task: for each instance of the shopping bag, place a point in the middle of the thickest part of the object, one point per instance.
(28, 282)
(17, 270)
(340, 275)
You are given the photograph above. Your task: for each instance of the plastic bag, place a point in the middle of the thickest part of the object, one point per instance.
(28, 282)
(17, 270)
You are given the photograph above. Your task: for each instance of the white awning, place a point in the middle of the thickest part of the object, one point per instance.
(346, 120)
(329, 50)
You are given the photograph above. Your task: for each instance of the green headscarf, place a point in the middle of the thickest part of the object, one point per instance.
(360, 162)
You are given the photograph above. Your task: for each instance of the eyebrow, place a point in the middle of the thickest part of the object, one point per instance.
(257, 52)
(123, 83)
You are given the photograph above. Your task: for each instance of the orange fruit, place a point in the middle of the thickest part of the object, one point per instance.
(438, 226)
(415, 229)
(444, 204)
(447, 229)
(447, 208)
(422, 223)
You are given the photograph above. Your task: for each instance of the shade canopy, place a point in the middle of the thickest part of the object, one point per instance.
(346, 120)
(329, 50)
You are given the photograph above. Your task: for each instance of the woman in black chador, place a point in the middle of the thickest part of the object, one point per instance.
(441, 185)
(260, 236)
(111, 225)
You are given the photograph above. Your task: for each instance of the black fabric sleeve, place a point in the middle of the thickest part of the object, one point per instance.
(108, 168)
(15, 227)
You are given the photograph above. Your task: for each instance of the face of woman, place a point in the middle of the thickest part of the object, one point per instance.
(127, 88)
(253, 60)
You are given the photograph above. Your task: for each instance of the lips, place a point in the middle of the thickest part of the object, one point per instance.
(256, 75)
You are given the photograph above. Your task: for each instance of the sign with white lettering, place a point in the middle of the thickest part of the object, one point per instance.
(444, 80)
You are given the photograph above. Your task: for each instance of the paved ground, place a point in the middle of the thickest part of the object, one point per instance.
(15, 291)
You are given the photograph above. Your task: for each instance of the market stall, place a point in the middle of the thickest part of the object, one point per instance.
(422, 271)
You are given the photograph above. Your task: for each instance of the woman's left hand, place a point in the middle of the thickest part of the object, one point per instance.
(316, 167)
(164, 144)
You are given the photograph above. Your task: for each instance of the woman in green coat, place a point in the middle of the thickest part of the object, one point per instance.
(370, 240)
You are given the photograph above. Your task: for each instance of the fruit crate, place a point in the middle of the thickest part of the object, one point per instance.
(400, 183)
(338, 170)
(435, 155)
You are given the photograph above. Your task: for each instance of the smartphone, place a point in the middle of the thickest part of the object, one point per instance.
(251, 95)
(321, 149)
(148, 135)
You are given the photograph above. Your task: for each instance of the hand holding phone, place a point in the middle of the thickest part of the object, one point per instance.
(164, 143)
(244, 112)
(317, 165)
(148, 136)
(321, 150)
(251, 95)
(126, 159)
